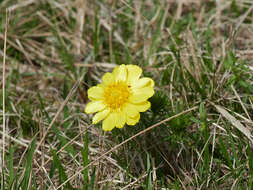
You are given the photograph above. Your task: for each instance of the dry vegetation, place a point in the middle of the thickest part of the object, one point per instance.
(200, 54)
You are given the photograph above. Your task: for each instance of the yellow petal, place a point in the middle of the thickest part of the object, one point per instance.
(121, 120)
(133, 73)
(130, 110)
(94, 106)
(133, 120)
(95, 93)
(107, 78)
(120, 73)
(109, 122)
(100, 116)
(143, 106)
(141, 94)
(143, 82)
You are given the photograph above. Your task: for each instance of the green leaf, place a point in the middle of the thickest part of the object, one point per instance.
(155, 37)
(11, 166)
(85, 154)
(149, 177)
(28, 166)
(93, 177)
(62, 175)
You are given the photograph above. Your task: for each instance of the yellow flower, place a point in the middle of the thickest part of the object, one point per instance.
(120, 97)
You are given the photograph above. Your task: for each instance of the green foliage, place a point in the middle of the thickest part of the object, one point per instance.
(28, 166)
(149, 177)
(61, 170)
(85, 156)
(29, 126)
(11, 167)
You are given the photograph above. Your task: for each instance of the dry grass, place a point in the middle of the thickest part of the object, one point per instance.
(56, 50)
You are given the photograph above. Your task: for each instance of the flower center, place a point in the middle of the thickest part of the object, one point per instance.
(116, 94)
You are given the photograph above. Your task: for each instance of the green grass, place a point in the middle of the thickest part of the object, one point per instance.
(198, 54)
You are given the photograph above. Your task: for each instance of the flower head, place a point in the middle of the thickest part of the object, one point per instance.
(120, 98)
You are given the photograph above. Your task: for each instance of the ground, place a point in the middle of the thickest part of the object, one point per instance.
(197, 133)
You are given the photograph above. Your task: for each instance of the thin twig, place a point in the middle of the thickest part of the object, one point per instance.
(22, 143)
(62, 148)
(4, 62)
(238, 97)
(133, 9)
(60, 109)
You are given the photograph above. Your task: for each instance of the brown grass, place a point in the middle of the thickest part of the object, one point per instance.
(36, 41)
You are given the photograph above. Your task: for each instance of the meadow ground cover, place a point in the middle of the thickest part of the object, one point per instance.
(195, 135)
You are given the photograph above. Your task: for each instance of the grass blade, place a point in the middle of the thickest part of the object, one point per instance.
(62, 175)
(28, 166)
(85, 154)
(149, 177)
